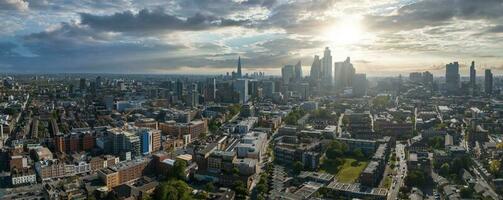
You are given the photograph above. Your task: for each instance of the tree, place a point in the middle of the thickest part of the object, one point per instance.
(440, 126)
(173, 190)
(336, 149)
(202, 195)
(297, 167)
(261, 188)
(240, 188)
(179, 169)
(460, 163)
(466, 193)
(358, 154)
(294, 116)
(322, 113)
(415, 178)
(380, 102)
(209, 187)
(235, 171)
(494, 166)
(444, 169)
(437, 142)
(234, 109)
(213, 125)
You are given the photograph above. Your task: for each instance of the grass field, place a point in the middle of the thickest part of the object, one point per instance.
(349, 172)
(387, 182)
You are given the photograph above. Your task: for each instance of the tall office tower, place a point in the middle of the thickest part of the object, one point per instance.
(427, 78)
(192, 98)
(133, 144)
(287, 73)
(488, 82)
(241, 87)
(121, 85)
(303, 90)
(99, 82)
(360, 85)
(298, 72)
(326, 67)
(211, 89)
(316, 69)
(193, 86)
(179, 88)
(146, 141)
(239, 73)
(416, 77)
(344, 73)
(253, 88)
(268, 88)
(452, 78)
(473, 75)
(82, 85)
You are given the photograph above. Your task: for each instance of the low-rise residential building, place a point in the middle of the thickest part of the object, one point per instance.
(178, 130)
(123, 172)
(306, 153)
(21, 177)
(252, 145)
(367, 146)
(246, 125)
(356, 190)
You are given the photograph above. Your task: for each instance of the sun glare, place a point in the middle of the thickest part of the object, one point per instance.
(349, 30)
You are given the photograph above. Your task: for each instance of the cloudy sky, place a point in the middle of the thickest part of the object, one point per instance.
(382, 37)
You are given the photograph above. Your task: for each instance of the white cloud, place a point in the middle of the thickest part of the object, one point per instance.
(19, 5)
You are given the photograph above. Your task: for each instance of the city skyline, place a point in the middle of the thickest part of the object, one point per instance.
(387, 37)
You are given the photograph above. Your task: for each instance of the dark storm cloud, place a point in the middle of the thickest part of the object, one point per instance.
(154, 20)
(436, 13)
(77, 48)
(221, 7)
(68, 38)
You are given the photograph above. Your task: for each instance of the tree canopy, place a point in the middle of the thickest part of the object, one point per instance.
(173, 190)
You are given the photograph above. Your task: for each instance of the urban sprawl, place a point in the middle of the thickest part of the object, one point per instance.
(334, 134)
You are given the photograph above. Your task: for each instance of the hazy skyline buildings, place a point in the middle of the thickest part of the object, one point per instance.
(315, 73)
(239, 73)
(298, 72)
(360, 85)
(488, 82)
(287, 73)
(241, 87)
(344, 73)
(473, 75)
(452, 78)
(326, 67)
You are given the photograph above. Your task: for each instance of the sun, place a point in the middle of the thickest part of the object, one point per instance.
(348, 30)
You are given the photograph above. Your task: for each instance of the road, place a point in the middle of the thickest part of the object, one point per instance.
(339, 125)
(482, 181)
(398, 180)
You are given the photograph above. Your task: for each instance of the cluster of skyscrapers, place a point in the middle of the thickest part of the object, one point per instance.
(453, 80)
(338, 77)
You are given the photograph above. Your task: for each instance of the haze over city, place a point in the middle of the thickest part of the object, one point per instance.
(383, 37)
